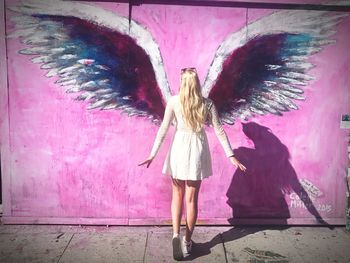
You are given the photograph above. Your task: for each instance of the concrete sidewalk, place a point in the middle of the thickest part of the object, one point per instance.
(62, 243)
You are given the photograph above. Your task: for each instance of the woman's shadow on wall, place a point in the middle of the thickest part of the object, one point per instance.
(259, 193)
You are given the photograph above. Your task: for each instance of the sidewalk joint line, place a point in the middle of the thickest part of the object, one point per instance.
(144, 252)
(223, 245)
(66, 247)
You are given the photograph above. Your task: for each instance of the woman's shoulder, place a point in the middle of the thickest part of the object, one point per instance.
(174, 98)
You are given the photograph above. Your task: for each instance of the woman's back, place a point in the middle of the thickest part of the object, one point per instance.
(180, 122)
(173, 113)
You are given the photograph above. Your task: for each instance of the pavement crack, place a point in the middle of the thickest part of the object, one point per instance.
(144, 252)
(65, 248)
(223, 246)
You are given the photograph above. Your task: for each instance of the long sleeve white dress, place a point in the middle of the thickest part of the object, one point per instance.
(188, 157)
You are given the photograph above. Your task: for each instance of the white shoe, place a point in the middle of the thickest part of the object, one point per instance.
(177, 253)
(186, 247)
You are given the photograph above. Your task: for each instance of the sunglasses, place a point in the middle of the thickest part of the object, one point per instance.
(188, 69)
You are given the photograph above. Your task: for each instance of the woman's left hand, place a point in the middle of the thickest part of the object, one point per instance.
(237, 163)
(148, 162)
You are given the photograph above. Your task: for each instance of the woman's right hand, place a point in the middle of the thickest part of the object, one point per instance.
(147, 162)
(237, 163)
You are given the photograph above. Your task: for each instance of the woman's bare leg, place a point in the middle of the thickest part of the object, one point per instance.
(176, 203)
(191, 192)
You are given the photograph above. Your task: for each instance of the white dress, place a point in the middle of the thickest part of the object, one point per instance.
(188, 157)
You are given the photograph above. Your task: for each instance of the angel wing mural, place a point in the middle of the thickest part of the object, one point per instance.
(96, 56)
(112, 64)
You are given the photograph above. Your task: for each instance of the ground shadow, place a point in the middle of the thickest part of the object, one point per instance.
(234, 233)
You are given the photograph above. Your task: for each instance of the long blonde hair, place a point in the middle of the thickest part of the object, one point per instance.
(192, 102)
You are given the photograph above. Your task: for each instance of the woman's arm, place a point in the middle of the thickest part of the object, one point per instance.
(222, 136)
(163, 129)
(219, 130)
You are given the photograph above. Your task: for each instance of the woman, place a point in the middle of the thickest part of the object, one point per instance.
(188, 161)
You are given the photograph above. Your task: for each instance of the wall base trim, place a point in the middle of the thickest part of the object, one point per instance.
(167, 221)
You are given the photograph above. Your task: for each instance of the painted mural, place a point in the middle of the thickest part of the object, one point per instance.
(257, 69)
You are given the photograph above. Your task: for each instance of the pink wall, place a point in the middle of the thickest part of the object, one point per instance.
(67, 164)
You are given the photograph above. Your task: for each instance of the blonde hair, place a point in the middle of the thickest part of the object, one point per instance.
(192, 102)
